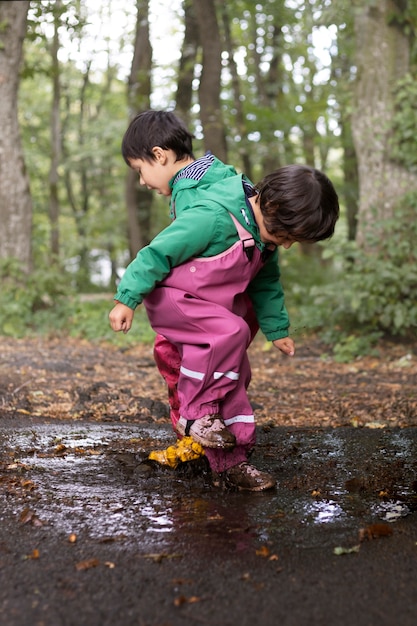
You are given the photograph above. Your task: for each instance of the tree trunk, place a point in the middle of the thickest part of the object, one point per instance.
(383, 57)
(210, 80)
(15, 198)
(350, 177)
(55, 138)
(184, 97)
(138, 199)
(241, 126)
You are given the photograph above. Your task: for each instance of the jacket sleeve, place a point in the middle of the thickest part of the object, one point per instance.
(267, 296)
(188, 236)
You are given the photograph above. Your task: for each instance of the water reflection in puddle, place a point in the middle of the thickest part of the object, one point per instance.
(88, 493)
(323, 512)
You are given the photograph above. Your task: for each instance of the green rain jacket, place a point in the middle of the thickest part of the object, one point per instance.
(202, 228)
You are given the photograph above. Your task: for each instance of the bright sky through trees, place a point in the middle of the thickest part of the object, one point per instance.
(109, 34)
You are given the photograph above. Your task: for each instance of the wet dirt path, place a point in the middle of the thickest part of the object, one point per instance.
(93, 534)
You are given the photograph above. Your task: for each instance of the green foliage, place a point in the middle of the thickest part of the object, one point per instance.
(32, 303)
(93, 117)
(404, 123)
(90, 320)
(374, 291)
(46, 304)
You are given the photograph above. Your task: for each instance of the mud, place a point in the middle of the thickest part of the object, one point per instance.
(94, 534)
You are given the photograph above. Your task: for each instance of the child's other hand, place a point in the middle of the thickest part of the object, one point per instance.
(121, 318)
(286, 345)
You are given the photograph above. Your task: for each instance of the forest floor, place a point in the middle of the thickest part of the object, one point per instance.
(73, 379)
(92, 534)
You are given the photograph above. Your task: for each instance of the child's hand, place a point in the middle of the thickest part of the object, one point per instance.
(121, 318)
(286, 345)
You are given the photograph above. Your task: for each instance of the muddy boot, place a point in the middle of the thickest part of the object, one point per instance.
(209, 431)
(245, 477)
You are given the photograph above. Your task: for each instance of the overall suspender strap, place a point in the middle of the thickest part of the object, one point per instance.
(248, 242)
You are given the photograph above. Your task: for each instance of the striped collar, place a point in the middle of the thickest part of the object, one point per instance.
(196, 169)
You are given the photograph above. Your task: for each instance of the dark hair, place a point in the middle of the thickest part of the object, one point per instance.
(156, 128)
(299, 200)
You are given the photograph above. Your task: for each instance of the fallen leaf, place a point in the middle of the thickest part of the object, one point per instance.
(87, 564)
(35, 554)
(383, 494)
(263, 551)
(180, 600)
(28, 484)
(28, 516)
(339, 550)
(18, 465)
(61, 448)
(373, 531)
(158, 558)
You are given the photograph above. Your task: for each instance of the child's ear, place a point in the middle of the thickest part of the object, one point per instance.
(160, 155)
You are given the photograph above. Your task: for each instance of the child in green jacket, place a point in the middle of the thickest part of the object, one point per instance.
(202, 278)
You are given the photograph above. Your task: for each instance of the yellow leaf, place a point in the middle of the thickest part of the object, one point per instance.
(35, 554)
(263, 551)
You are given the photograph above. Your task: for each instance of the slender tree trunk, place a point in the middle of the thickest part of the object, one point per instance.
(210, 80)
(15, 198)
(55, 138)
(350, 176)
(383, 57)
(139, 199)
(243, 144)
(184, 97)
(341, 73)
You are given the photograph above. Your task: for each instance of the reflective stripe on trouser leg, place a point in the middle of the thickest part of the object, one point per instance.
(240, 422)
(226, 338)
(168, 361)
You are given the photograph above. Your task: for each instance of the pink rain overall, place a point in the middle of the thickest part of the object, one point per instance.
(203, 315)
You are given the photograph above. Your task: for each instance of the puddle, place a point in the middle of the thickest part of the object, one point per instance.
(330, 484)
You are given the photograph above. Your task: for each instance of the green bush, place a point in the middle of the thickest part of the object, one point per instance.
(90, 320)
(32, 302)
(45, 303)
(374, 293)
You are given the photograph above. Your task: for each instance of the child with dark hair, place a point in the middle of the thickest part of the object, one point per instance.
(205, 278)
(164, 129)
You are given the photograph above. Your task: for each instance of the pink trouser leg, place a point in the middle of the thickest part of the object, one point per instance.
(168, 360)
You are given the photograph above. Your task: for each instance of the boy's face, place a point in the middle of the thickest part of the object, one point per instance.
(154, 174)
(281, 238)
(278, 239)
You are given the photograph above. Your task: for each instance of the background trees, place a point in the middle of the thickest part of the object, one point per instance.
(260, 84)
(15, 199)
